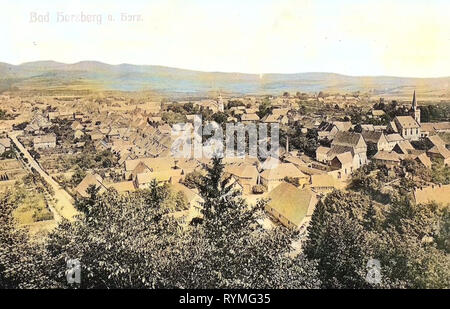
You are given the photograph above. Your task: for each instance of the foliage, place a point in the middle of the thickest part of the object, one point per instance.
(265, 108)
(172, 118)
(9, 154)
(77, 176)
(292, 181)
(440, 173)
(4, 115)
(22, 264)
(306, 143)
(220, 117)
(258, 189)
(131, 241)
(192, 179)
(348, 229)
(87, 205)
(435, 113)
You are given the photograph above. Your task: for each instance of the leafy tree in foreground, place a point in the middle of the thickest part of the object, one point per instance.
(347, 229)
(133, 241)
(22, 263)
(232, 250)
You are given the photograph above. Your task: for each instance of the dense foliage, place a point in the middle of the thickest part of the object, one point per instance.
(349, 229)
(131, 241)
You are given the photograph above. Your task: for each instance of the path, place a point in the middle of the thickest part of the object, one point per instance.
(63, 207)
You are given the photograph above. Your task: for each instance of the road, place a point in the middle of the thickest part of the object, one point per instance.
(64, 205)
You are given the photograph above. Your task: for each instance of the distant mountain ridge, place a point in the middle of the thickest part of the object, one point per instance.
(43, 75)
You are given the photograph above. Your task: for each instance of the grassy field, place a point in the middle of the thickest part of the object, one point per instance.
(31, 207)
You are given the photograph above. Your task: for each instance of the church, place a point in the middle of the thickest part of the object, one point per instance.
(408, 126)
(415, 111)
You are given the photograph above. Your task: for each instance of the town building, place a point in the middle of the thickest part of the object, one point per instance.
(290, 205)
(44, 141)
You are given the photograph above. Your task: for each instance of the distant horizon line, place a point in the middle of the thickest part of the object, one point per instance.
(218, 72)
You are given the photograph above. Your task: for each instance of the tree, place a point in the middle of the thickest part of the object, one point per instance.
(228, 244)
(258, 189)
(87, 204)
(265, 108)
(220, 117)
(192, 179)
(22, 263)
(77, 176)
(292, 181)
(347, 230)
(215, 189)
(372, 149)
(338, 241)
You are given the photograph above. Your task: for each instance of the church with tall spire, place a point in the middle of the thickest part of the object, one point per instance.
(415, 110)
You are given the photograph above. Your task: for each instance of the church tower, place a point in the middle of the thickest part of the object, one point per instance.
(220, 103)
(415, 110)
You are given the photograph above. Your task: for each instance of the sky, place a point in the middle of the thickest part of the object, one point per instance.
(354, 37)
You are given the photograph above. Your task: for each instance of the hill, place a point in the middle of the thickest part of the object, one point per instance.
(92, 75)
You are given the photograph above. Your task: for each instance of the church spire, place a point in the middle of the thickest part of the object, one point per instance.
(415, 111)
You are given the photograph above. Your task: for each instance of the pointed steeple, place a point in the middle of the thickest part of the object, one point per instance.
(415, 110)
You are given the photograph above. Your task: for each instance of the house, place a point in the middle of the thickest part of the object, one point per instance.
(78, 134)
(272, 118)
(390, 159)
(143, 180)
(431, 128)
(96, 135)
(356, 142)
(290, 205)
(192, 197)
(439, 153)
(90, 180)
(122, 187)
(407, 127)
(392, 140)
(322, 184)
(435, 140)
(249, 118)
(5, 145)
(154, 164)
(76, 125)
(44, 141)
(270, 163)
(322, 154)
(280, 111)
(342, 165)
(246, 174)
(423, 159)
(439, 194)
(403, 147)
(377, 139)
(113, 133)
(141, 168)
(376, 113)
(328, 130)
(270, 178)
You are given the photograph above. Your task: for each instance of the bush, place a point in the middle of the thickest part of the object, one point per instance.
(258, 189)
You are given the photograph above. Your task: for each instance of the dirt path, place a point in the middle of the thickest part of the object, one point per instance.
(63, 207)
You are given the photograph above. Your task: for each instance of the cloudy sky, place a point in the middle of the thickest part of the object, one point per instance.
(355, 37)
